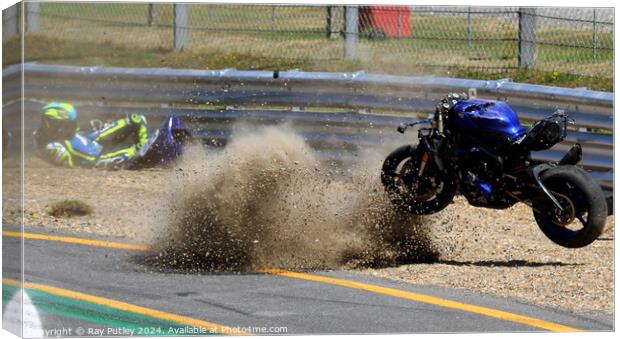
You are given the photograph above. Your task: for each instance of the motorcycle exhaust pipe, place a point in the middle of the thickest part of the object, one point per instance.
(573, 156)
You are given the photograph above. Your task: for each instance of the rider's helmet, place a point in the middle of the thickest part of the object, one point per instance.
(58, 122)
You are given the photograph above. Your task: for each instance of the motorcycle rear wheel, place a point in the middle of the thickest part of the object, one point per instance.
(584, 204)
(434, 192)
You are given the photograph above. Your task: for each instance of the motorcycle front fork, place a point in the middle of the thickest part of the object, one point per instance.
(423, 162)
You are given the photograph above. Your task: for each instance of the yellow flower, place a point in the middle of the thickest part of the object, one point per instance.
(554, 75)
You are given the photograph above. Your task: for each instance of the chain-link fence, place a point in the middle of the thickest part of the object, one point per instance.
(392, 39)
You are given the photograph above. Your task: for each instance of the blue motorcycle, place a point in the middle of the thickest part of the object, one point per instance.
(480, 148)
(164, 146)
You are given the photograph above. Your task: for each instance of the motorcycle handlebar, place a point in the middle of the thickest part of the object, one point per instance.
(403, 126)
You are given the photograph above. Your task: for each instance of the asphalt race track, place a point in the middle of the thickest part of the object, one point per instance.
(88, 286)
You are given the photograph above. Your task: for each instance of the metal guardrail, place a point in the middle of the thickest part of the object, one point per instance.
(362, 90)
(106, 90)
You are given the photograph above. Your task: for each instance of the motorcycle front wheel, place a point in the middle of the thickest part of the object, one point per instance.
(428, 194)
(585, 210)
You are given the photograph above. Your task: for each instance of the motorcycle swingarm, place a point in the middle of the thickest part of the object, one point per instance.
(535, 173)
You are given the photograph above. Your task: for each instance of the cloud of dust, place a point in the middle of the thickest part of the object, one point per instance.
(267, 201)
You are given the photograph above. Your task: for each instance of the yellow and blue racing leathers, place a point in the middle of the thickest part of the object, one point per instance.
(112, 147)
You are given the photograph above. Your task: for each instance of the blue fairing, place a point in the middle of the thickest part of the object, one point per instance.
(162, 145)
(488, 116)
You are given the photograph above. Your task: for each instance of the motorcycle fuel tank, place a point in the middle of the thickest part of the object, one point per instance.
(487, 116)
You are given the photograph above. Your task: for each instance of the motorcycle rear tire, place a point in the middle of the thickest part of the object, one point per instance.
(406, 201)
(586, 195)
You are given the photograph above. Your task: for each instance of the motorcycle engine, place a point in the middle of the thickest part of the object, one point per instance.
(481, 181)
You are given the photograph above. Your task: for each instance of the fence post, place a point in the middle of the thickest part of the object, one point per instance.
(351, 30)
(153, 18)
(10, 21)
(469, 32)
(331, 22)
(594, 33)
(527, 37)
(181, 30)
(399, 23)
(32, 16)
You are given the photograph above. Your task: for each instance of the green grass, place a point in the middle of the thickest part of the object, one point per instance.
(553, 78)
(56, 51)
(119, 12)
(248, 37)
(201, 15)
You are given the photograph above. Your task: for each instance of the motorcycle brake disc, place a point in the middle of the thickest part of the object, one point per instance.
(566, 217)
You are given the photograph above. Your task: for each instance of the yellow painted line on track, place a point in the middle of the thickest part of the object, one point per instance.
(490, 312)
(119, 305)
(82, 241)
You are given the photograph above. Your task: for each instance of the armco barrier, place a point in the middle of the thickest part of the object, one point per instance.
(146, 90)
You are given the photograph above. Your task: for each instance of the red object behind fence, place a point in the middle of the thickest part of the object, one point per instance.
(394, 21)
